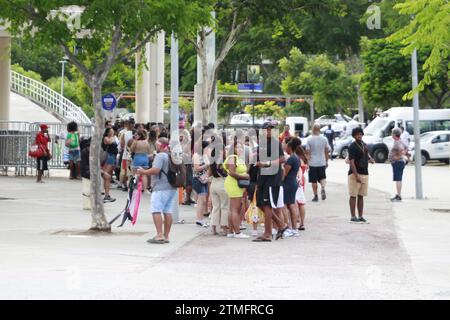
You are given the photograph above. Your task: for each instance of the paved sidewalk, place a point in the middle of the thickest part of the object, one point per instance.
(424, 232)
(332, 259)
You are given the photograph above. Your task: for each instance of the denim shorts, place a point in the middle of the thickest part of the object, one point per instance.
(111, 159)
(140, 160)
(163, 201)
(397, 168)
(199, 188)
(74, 155)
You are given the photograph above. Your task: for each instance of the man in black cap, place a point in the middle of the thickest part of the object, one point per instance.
(269, 194)
(358, 175)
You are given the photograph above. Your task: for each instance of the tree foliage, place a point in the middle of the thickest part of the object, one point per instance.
(387, 76)
(428, 28)
(266, 110)
(328, 82)
(104, 35)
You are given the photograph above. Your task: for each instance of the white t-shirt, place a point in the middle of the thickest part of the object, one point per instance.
(406, 138)
(127, 137)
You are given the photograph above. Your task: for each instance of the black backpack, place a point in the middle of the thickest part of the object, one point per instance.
(176, 175)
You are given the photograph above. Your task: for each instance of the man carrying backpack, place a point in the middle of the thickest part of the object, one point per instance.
(163, 191)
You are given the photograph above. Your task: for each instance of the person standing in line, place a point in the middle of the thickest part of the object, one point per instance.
(200, 182)
(73, 143)
(318, 151)
(237, 170)
(125, 138)
(358, 175)
(286, 134)
(141, 150)
(290, 185)
(42, 141)
(219, 197)
(300, 194)
(330, 135)
(269, 194)
(109, 145)
(163, 193)
(397, 157)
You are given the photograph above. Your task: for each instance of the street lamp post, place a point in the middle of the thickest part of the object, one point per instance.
(417, 151)
(63, 62)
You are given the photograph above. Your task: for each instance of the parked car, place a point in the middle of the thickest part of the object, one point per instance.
(378, 134)
(341, 147)
(327, 119)
(245, 118)
(434, 145)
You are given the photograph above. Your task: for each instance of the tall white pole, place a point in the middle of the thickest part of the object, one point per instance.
(417, 149)
(63, 62)
(5, 77)
(174, 112)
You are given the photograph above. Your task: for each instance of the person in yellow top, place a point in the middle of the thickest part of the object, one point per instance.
(236, 170)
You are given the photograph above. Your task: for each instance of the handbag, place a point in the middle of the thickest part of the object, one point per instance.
(243, 183)
(37, 151)
(253, 213)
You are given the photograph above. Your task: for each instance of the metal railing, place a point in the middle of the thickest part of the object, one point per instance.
(16, 138)
(47, 98)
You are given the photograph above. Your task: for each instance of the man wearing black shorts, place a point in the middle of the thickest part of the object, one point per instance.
(318, 151)
(269, 194)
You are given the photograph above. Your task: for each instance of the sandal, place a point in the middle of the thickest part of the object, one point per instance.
(280, 233)
(156, 241)
(301, 228)
(262, 239)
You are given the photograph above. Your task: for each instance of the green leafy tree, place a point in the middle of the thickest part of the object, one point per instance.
(43, 59)
(106, 35)
(387, 75)
(428, 28)
(266, 110)
(329, 83)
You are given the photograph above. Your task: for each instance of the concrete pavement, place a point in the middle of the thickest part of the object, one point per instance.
(402, 253)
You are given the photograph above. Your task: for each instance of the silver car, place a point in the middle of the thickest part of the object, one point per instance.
(341, 147)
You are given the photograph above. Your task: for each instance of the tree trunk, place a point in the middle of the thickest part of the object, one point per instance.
(205, 85)
(99, 222)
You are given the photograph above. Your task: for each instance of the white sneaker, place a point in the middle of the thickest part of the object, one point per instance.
(230, 235)
(295, 233)
(254, 233)
(241, 236)
(287, 233)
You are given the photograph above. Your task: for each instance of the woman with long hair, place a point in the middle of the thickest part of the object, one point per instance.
(300, 195)
(219, 197)
(141, 150)
(237, 170)
(200, 181)
(110, 146)
(290, 184)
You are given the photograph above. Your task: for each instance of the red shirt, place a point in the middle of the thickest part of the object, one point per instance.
(42, 140)
(284, 135)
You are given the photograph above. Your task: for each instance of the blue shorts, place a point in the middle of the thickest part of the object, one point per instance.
(398, 167)
(111, 159)
(199, 188)
(140, 160)
(74, 155)
(163, 201)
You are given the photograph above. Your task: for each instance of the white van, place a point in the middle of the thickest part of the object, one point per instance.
(378, 134)
(297, 126)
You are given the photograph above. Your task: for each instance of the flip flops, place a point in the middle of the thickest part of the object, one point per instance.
(261, 239)
(156, 241)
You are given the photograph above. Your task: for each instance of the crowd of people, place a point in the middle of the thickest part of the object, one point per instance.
(231, 177)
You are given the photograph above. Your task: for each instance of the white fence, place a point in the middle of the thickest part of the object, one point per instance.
(47, 98)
